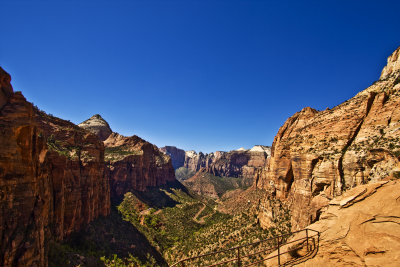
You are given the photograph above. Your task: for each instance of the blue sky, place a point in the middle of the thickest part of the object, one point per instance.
(203, 75)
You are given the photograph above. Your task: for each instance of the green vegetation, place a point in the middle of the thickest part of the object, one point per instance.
(119, 152)
(115, 261)
(206, 184)
(162, 226)
(194, 226)
(71, 152)
(183, 173)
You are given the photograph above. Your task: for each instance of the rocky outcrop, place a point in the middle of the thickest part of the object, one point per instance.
(393, 65)
(236, 163)
(6, 90)
(52, 180)
(135, 164)
(177, 155)
(318, 155)
(97, 125)
(359, 228)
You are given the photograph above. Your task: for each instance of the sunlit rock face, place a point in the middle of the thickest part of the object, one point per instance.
(132, 164)
(52, 179)
(135, 164)
(97, 125)
(358, 228)
(236, 163)
(317, 155)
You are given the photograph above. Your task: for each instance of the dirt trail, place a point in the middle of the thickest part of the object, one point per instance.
(198, 214)
(201, 220)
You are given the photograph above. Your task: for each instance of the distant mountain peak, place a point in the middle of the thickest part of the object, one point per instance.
(97, 125)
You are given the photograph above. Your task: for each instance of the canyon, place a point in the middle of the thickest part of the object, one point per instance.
(334, 170)
(236, 163)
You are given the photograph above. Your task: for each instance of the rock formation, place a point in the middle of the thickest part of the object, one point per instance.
(135, 164)
(177, 155)
(195, 161)
(318, 155)
(207, 185)
(239, 163)
(236, 163)
(52, 179)
(97, 125)
(359, 228)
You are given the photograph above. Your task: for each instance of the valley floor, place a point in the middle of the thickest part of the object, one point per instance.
(165, 225)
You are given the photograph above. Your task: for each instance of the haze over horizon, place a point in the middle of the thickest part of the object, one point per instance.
(198, 75)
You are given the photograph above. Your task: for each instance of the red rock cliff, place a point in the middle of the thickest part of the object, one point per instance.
(318, 155)
(135, 164)
(52, 179)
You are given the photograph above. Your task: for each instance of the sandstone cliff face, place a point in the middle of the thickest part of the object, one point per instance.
(177, 155)
(135, 164)
(317, 155)
(97, 125)
(359, 228)
(236, 163)
(52, 180)
(195, 161)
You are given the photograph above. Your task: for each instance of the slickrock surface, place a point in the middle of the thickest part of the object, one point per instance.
(177, 155)
(97, 125)
(318, 155)
(135, 164)
(360, 228)
(52, 179)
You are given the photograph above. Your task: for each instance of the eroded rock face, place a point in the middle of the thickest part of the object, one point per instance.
(177, 155)
(97, 125)
(236, 163)
(135, 164)
(318, 155)
(52, 181)
(361, 228)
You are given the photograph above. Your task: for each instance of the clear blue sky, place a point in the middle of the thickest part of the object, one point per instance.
(204, 75)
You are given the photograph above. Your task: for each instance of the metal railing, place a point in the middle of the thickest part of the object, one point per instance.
(270, 245)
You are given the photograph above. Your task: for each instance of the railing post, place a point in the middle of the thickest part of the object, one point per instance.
(238, 256)
(279, 253)
(307, 238)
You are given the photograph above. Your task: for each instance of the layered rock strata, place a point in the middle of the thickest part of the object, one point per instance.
(317, 155)
(236, 163)
(135, 164)
(52, 179)
(97, 125)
